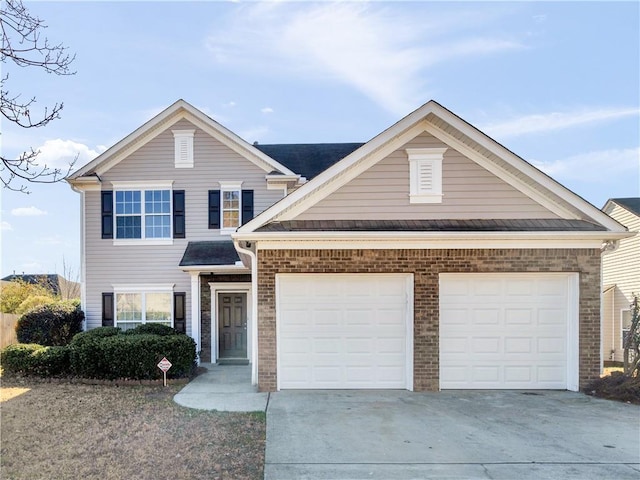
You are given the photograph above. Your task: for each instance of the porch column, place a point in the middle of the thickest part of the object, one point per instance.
(195, 310)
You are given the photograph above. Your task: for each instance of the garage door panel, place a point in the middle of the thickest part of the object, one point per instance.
(357, 331)
(517, 336)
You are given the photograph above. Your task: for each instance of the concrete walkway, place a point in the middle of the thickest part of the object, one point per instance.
(225, 388)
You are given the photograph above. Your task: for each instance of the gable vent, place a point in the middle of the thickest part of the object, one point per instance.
(183, 148)
(425, 174)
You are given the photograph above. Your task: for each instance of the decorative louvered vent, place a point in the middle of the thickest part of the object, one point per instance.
(425, 174)
(183, 148)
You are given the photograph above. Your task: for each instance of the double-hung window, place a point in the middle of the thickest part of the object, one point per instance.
(142, 213)
(231, 196)
(139, 304)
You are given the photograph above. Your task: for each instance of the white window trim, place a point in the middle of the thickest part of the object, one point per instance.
(142, 186)
(142, 289)
(230, 187)
(622, 311)
(418, 157)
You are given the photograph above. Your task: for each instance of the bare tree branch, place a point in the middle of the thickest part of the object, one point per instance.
(22, 45)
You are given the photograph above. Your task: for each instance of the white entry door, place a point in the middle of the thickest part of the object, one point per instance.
(508, 331)
(344, 331)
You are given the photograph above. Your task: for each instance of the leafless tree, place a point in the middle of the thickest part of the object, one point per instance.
(23, 46)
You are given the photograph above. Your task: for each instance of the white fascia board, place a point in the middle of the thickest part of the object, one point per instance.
(216, 268)
(171, 115)
(89, 183)
(138, 137)
(526, 168)
(354, 237)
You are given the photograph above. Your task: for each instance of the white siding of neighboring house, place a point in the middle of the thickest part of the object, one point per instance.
(108, 264)
(382, 192)
(622, 269)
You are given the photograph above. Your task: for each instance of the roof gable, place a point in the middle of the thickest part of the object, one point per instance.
(459, 135)
(631, 204)
(164, 120)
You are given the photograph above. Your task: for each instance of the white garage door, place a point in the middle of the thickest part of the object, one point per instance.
(508, 331)
(344, 331)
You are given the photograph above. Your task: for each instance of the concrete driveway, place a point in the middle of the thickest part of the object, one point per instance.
(453, 434)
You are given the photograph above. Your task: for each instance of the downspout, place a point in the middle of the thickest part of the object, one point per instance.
(83, 263)
(250, 250)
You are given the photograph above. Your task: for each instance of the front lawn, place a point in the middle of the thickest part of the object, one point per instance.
(66, 431)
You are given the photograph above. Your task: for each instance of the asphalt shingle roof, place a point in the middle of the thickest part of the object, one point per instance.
(209, 253)
(308, 159)
(482, 225)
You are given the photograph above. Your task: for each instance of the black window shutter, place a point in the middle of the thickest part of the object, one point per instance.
(214, 209)
(180, 312)
(178, 214)
(247, 205)
(107, 214)
(107, 309)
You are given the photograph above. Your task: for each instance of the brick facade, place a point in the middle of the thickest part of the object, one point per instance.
(426, 265)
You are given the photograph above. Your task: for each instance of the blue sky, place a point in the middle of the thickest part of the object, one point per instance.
(557, 83)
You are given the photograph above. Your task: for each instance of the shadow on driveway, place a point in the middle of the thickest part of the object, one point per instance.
(453, 434)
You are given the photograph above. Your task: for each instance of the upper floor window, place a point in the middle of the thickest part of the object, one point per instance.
(136, 218)
(139, 212)
(230, 207)
(425, 174)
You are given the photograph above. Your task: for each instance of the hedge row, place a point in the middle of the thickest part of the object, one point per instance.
(107, 353)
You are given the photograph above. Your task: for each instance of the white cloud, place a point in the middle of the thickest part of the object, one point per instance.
(589, 167)
(61, 154)
(266, 110)
(545, 122)
(230, 104)
(27, 212)
(367, 46)
(5, 226)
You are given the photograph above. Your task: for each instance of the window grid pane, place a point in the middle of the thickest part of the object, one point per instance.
(230, 209)
(129, 307)
(158, 307)
(157, 226)
(128, 227)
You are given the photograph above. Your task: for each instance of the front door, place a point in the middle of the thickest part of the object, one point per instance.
(232, 325)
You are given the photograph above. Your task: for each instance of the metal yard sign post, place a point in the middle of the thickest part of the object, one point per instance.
(164, 365)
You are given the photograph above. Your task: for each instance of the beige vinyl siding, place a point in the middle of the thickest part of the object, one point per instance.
(469, 192)
(621, 268)
(108, 264)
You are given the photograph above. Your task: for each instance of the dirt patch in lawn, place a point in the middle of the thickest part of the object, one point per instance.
(616, 386)
(66, 431)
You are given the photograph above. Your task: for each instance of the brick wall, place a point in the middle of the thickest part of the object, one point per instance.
(426, 265)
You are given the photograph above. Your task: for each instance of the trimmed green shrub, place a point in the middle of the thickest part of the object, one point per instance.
(50, 325)
(32, 302)
(153, 329)
(34, 359)
(132, 356)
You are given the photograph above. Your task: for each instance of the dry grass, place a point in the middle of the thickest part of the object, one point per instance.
(69, 431)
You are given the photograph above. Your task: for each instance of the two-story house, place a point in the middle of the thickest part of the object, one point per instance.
(430, 257)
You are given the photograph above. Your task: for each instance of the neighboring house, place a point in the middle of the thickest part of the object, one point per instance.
(57, 284)
(430, 257)
(620, 277)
